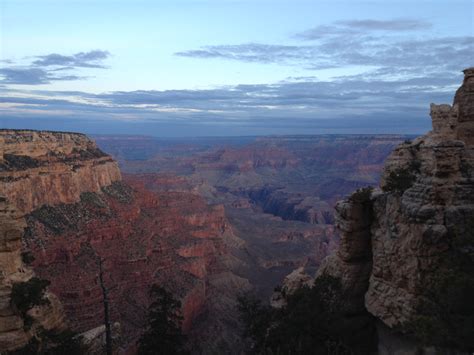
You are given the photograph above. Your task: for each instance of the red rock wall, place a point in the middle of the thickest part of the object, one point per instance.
(169, 238)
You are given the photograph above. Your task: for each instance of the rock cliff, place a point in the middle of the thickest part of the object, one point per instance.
(406, 253)
(16, 329)
(54, 167)
(78, 212)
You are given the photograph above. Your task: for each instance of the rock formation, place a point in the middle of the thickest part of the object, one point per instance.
(53, 167)
(79, 212)
(292, 282)
(406, 252)
(14, 332)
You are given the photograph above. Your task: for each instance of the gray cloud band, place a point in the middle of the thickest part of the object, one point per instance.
(45, 69)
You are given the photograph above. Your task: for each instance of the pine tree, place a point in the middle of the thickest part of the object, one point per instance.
(163, 334)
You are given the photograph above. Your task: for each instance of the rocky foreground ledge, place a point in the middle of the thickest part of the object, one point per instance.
(406, 257)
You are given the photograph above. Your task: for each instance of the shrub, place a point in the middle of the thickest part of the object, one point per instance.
(362, 195)
(399, 180)
(27, 257)
(256, 319)
(312, 322)
(465, 169)
(48, 342)
(26, 295)
(445, 315)
(163, 334)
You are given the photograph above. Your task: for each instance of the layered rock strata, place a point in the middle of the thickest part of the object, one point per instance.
(14, 331)
(406, 252)
(143, 230)
(53, 167)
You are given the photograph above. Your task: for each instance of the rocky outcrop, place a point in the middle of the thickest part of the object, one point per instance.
(14, 330)
(143, 237)
(54, 167)
(406, 252)
(79, 212)
(352, 263)
(292, 282)
(39, 169)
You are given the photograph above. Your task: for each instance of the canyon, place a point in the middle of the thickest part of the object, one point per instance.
(236, 177)
(79, 213)
(211, 219)
(207, 220)
(278, 193)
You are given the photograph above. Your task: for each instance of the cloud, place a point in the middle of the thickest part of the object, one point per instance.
(32, 76)
(387, 25)
(49, 68)
(357, 103)
(252, 52)
(409, 56)
(402, 72)
(389, 47)
(91, 59)
(363, 27)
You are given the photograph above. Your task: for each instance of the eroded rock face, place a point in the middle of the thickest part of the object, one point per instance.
(291, 283)
(464, 99)
(13, 333)
(143, 237)
(53, 167)
(415, 225)
(145, 230)
(413, 239)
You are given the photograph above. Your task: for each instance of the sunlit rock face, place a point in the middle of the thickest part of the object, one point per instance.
(38, 168)
(399, 242)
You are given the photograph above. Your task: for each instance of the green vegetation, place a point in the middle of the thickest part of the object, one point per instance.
(445, 317)
(26, 295)
(362, 195)
(399, 180)
(120, 191)
(27, 257)
(54, 218)
(94, 199)
(465, 169)
(312, 322)
(163, 334)
(47, 342)
(18, 162)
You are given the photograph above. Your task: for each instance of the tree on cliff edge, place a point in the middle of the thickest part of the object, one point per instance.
(163, 330)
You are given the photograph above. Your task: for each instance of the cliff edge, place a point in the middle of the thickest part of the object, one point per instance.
(406, 256)
(55, 167)
(72, 210)
(38, 168)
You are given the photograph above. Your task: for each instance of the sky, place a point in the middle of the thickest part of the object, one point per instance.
(231, 67)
